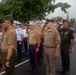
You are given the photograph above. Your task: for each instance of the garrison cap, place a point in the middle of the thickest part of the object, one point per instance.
(49, 20)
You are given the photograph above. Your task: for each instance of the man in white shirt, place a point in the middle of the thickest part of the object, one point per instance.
(19, 33)
(25, 34)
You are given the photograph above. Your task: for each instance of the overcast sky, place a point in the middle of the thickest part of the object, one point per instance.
(72, 10)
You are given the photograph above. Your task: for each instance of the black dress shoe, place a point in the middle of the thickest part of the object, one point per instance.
(61, 71)
(30, 70)
(66, 73)
(33, 72)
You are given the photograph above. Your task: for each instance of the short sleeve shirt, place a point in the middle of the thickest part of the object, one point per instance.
(34, 35)
(66, 35)
(9, 39)
(40, 30)
(51, 37)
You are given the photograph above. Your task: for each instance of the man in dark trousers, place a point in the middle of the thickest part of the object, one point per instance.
(25, 42)
(8, 46)
(67, 41)
(20, 37)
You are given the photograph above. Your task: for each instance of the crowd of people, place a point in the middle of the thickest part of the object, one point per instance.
(40, 40)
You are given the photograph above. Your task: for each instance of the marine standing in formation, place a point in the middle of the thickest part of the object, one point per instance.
(8, 46)
(34, 45)
(51, 47)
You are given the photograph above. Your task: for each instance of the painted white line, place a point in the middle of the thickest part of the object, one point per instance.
(22, 63)
(2, 72)
(16, 66)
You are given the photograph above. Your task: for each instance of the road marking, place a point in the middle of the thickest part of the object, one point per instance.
(22, 63)
(16, 65)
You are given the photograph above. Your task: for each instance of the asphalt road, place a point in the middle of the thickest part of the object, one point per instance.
(22, 68)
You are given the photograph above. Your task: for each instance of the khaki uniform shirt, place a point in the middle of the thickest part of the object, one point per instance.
(40, 31)
(39, 28)
(9, 39)
(51, 38)
(34, 35)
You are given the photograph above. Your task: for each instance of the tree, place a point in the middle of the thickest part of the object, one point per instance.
(58, 19)
(24, 10)
(72, 21)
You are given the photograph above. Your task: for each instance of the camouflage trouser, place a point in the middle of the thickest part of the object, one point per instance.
(9, 70)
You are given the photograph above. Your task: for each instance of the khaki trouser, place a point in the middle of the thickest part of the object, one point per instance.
(50, 61)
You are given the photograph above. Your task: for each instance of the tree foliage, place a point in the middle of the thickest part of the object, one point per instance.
(24, 10)
(72, 21)
(58, 19)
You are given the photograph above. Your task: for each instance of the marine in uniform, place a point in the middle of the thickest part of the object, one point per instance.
(34, 41)
(67, 41)
(8, 46)
(40, 52)
(51, 47)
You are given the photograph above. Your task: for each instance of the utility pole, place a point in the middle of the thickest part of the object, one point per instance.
(67, 15)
